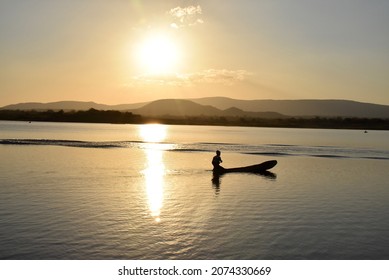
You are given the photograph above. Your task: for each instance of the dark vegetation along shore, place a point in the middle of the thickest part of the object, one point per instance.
(118, 117)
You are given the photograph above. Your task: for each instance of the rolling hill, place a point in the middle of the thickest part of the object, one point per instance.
(222, 106)
(70, 105)
(182, 107)
(308, 107)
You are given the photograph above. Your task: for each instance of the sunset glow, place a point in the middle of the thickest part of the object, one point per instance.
(157, 54)
(122, 52)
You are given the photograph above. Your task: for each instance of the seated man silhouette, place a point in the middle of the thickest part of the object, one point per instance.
(216, 161)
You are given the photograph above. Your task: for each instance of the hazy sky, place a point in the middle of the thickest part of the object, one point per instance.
(127, 51)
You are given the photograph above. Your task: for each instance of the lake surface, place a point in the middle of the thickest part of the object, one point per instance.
(105, 191)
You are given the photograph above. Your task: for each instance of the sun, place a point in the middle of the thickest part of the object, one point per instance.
(157, 54)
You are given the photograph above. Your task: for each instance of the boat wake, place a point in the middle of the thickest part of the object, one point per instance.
(263, 150)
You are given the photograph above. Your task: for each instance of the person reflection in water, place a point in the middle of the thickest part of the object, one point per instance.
(216, 171)
(216, 183)
(216, 161)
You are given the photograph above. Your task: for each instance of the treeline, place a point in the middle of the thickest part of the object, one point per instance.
(111, 116)
(322, 122)
(90, 116)
(292, 122)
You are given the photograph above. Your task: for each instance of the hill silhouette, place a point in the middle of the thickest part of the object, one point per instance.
(184, 108)
(70, 105)
(301, 108)
(222, 106)
(176, 107)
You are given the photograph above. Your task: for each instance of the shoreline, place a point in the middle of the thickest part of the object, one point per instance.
(118, 117)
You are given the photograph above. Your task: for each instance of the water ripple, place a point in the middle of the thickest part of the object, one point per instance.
(277, 150)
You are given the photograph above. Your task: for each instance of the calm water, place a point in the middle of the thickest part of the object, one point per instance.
(101, 191)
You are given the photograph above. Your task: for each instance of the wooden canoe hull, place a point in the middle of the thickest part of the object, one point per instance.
(256, 168)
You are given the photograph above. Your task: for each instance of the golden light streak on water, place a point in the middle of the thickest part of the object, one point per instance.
(155, 170)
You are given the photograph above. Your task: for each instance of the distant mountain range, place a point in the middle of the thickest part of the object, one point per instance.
(181, 107)
(304, 107)
(70, 105)
(221, 106)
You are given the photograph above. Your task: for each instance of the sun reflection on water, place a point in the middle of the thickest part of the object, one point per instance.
(155, 170)
(152, 133)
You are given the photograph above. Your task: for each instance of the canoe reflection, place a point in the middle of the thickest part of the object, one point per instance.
(216, 178)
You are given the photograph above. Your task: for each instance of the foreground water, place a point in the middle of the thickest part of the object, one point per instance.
(101, 191)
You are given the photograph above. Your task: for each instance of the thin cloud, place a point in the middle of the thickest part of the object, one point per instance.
(210, 76)
(187, 16)
(218, 76)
